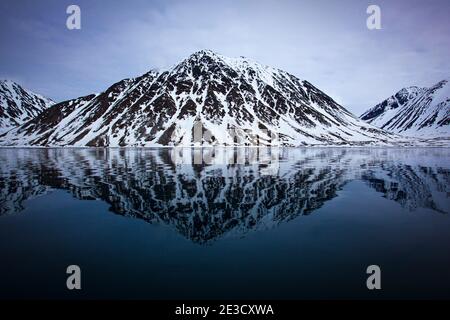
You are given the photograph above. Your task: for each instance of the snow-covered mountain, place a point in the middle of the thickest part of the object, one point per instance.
(413, 111)
(207, 99)
(19, 105)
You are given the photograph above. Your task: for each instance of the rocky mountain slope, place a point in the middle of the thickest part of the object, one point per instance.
(19, 105)
(414, 111)
(207, 99)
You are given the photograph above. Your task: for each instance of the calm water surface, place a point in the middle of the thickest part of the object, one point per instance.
(155, 223)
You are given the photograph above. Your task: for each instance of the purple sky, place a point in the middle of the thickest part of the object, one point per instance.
(324, 42)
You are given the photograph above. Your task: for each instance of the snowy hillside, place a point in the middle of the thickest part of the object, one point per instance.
(413, 111)
(207, 99)
(18, 105)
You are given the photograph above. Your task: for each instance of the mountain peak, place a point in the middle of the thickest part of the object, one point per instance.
(18, 105)
(414, 111)
(19, 89)
(207, 99)
(207, 52)
(9, 83)
(202, 54)
(230, 61)
(440, 84)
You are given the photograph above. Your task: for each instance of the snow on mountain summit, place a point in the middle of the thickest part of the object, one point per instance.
(18, 105)
(234, 101)
(414, 111)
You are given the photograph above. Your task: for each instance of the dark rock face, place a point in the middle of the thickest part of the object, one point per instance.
(413, 111)
(19, 105)
(237, 101)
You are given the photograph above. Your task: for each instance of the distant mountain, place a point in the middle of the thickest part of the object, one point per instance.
(207, 99)
(413, 111)
(19, 105)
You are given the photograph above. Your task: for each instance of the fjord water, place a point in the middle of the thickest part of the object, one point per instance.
(157, 223)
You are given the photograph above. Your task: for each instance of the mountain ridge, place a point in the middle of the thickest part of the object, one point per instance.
(206, 99)
(19, 105)
(414, 111)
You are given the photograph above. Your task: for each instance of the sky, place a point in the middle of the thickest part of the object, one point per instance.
(325, 42)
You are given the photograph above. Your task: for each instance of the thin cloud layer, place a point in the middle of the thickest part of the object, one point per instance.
(325, 42)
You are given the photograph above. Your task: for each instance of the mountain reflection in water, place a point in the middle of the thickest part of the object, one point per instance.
(205, 201)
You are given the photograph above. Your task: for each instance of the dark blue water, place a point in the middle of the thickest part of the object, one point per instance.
(147, 223)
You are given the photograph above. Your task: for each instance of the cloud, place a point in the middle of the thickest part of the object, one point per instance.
(324, 42)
